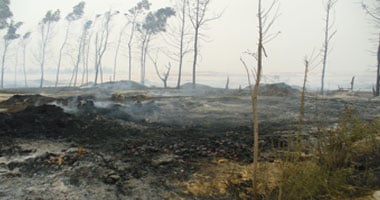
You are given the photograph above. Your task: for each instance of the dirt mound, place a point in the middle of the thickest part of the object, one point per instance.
(197, 86)
(121, 85)
(45, 120)
(277, 89)
(28, 99)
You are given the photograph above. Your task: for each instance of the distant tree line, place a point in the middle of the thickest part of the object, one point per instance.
(83, 52)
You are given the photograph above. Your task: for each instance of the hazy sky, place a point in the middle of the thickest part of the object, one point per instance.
(300, 23)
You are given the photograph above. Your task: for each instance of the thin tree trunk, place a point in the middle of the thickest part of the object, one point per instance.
(16, 64)
(88, 56)
(254, 104)
(76, 66)
(6, 44)
(44, 44)
(301, 111)
(144, 48)
(326, 45)
(96, 59)
(23, 64)
(378, 70)
(60, 53)
(130, 49)
(117, 50)
(196, 43)
(181, 44)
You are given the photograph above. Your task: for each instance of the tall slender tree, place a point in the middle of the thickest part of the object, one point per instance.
(133, 16)
(198, 10)
(85, 49)
(46, 33)
(24, 42)
(266, 16)
(178, 37)
(329, 34)
(76, 14)
(155, 22)
(8, 38)
(373, 10)
(101, 42)
(5, 15)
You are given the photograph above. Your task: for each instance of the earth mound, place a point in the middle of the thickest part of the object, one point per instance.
(118, 85)
(187, 86)
(277, 89)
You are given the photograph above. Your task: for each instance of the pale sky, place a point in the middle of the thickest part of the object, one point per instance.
(301, 25)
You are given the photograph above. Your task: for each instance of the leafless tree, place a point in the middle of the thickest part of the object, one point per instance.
(198, 10)
(8, 38)
(76, 14)
(154, 23)
(329, 34)
(80, 54)
(178, 37)
(117, 49)
(266, 18)
(373, 10)
(24, 42)
(46, 33)
(85, 49)
(133, 16)
(163, 76)
(101, 42)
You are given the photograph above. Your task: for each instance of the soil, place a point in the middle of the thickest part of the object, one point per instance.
(126, 141)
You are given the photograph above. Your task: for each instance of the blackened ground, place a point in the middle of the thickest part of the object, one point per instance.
(138, 145)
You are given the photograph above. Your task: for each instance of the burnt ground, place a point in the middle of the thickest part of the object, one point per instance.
(123, 143)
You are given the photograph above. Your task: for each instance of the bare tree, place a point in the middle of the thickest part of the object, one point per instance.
(198, 10)
(163, 76)
(101, 42)
(46, 34)
(117, 49)
(154, 23)
(24, 43)
(76, 14)
(329, 34)
(178, 37)
(266, 18)
(80, 54)
(5, 15)
(8, 38)
(373, 10)
(133, 19)
(85, 49)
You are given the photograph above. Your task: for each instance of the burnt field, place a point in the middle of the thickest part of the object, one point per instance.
(125, 141)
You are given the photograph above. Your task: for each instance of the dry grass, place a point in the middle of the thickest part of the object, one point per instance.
(343, 165)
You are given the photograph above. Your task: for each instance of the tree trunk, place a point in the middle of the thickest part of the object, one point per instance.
(197, 25)
(326, 44)
(6, 44)
(117, 51)
(44, 44)
(96, 59)
(23, 64)
(254, 104)
(144, 53)
(60, 53)
(301, 111)
(378, 71)
(130, 47)
(181, 44)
